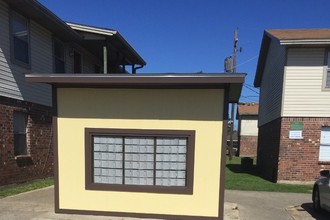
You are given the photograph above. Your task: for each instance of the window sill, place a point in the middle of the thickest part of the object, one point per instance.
(140, 188)
(324, 163)
(22, 157)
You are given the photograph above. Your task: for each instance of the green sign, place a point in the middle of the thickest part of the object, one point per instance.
(296, 126)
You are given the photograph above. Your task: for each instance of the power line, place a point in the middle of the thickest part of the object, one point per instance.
(247, 60)
(240, 64)
(250, 86)
(251, 89)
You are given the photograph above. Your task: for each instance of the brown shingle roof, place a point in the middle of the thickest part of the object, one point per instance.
(300, 34)
(248, 109)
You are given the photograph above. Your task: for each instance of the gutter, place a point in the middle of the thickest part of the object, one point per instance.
(306, 42)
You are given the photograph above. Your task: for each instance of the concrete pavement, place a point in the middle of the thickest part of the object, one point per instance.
(39, 205)
(274, 205)
(239, 205)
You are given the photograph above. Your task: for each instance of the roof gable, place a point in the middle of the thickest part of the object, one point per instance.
(289, 37)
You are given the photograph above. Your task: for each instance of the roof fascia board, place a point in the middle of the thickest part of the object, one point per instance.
(90, 29)
(306, 42)
(217, 78)
(233, 82)
(131, 49)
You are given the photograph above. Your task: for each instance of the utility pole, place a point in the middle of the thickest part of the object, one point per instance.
(231, 144)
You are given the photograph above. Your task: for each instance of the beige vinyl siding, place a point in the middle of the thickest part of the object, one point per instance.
(272, 83)
(249, 126)
(303, 89)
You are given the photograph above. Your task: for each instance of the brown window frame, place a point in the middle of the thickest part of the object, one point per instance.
(89, 168)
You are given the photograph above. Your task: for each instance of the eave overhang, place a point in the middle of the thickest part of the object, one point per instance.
(95, 38)
(232, 82)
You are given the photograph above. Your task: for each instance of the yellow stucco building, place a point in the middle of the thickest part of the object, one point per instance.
(148, 146)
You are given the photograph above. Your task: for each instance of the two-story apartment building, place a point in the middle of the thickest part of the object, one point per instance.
(34, 40)
(294, 118)
(247, 116)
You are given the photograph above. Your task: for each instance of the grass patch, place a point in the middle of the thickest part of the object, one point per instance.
(237, 179)
(24, 187)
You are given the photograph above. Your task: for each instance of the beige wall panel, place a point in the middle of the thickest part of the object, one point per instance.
(249, 127)
(304, 95)
(140, 109)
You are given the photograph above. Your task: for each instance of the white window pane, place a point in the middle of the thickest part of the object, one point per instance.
(325, 136)
(97, 171)
(324, 153)
(183, 142)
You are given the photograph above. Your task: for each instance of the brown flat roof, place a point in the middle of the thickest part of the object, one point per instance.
(147, 81)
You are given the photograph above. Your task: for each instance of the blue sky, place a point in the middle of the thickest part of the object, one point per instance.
(187, 36)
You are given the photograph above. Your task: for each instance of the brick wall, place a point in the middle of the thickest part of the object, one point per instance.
(248, 146)
(39, 160)
(268, 149)
(298, 159)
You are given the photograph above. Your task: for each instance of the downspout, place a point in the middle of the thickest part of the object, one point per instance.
(136, 68)
(105, 59)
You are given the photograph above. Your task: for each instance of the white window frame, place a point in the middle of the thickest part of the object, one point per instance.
(324, 152)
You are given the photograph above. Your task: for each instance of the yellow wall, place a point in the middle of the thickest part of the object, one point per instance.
(199, 110)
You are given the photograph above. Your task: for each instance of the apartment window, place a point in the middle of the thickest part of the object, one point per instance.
(77, 62)
(20, 39)
(59, 65)
(324, 154)
(20, 127)
(140, 160)
(327, 77)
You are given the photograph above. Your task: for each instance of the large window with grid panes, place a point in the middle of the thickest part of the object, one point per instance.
(139, 160)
